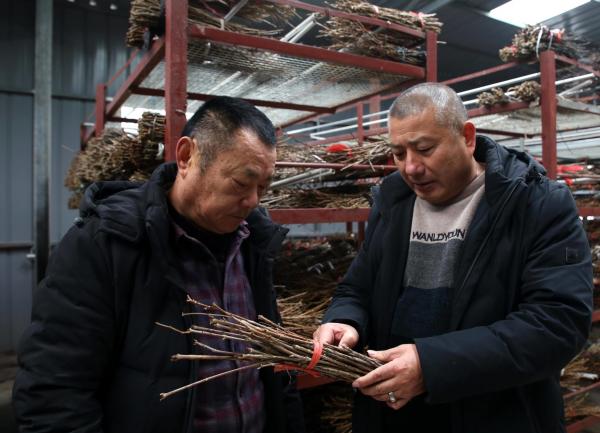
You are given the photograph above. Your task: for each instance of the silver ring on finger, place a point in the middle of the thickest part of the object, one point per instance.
(391, 397)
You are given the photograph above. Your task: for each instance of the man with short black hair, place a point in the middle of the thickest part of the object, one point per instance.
(473, 286)
(93, 358)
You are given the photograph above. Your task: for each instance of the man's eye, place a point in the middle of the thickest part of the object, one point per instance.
(426, 149)
(239, 183)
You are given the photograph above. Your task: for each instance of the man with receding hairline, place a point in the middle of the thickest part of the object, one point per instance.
(473, 286)
(93, 359)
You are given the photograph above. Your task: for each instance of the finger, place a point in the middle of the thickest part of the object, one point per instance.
(400, 402)
(380, 388)
(373, 377)
(349, 339)
(380, 355)
(325, 335)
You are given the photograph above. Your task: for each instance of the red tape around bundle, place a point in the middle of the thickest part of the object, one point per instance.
(316, 356)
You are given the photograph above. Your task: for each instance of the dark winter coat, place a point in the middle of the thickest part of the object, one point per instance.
(93, 359)
(520, 311)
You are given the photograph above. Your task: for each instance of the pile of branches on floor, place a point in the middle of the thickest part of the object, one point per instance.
(530, 41)
(306, 273)
(117, 155)
(268, 345)
(583, 369)
(345, 196)
(359, 38)
(528, 91)
(255, 18)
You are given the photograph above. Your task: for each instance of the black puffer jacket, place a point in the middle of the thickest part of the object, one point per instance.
(93, 359)
(520, 312)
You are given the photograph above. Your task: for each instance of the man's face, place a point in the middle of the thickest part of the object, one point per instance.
(435, 161)
(221, 197)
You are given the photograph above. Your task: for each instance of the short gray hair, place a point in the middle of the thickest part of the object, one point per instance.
(449, 109)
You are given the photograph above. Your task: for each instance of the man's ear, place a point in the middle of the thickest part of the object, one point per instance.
(184, 152)
(469, 133)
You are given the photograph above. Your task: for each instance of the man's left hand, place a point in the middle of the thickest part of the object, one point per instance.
(401, 375)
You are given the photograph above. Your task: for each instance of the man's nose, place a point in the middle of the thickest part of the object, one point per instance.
(413, 165)
(251, 199)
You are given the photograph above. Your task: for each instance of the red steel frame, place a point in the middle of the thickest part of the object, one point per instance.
(173, 47)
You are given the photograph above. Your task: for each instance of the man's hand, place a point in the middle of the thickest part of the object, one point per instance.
(337, 334)
(401, 375)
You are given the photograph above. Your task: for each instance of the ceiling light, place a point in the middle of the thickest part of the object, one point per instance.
(113, 7)
(523, 12)
(93, 3)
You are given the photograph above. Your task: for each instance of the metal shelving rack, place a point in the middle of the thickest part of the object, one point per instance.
(178, 70)
(193, 63)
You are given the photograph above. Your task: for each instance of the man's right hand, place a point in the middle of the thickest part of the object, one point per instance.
(337, 334)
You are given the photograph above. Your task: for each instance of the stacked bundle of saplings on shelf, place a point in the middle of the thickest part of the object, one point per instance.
(117, 155)
(306, 273)
(262, 18)
(328, 188)
(146, 17)
(580, 373)
(528, 42)
(592, 229)
(374, 41)
(583, 179)
(528, 91)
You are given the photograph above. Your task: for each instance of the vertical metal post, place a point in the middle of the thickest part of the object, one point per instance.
(176, 37)
(360, 137)
(374, 107)
(431, 61)
(349, 227)
(361, 233)
(548, 101)
(100, 108)
(42, 136)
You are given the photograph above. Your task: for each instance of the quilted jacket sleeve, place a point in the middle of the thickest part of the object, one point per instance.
(65, 352)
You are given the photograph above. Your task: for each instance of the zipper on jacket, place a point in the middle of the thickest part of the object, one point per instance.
(485, 241)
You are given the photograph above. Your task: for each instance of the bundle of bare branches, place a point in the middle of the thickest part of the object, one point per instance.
(338, 412)
(306, 273)
(528, 91)
(302, 313)
(313, 264)
(374, 151)
(347, 196)
(107, 157)
(530, 41)
(493, 97)
(146, 14)
(583, 369)
(270, 345)
(151, 136)
(413, 20)
(355, 37)
(580, 406)
(359, 38)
